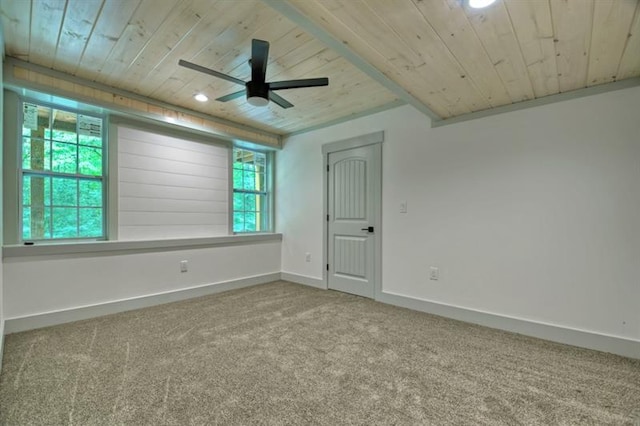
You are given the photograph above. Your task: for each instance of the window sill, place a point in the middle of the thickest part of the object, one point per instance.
(97, 247)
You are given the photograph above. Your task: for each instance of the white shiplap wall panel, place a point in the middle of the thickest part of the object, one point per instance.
(133, 204)
(151, 177)
(171, 219)
(171, 166)
(142, 190)
(180, 151)
(171, 142)
(170, 187)
(150, 150)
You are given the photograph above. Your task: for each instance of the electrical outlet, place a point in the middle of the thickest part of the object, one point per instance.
(307, 257)
(184, 266)
(434, 273)
(403, 207)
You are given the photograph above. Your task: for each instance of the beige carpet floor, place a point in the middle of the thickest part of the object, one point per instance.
(282, 353)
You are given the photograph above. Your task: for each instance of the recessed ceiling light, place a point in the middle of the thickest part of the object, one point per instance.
(201, 97)
(479, 4)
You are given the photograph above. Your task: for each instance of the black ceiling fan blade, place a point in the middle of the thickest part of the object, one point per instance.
(231, 96)
(209, 71)
(259, 58)
(277, 99)
(295, 84)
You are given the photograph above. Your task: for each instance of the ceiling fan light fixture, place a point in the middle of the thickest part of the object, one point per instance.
(479, 4)
(257, 101)
(201, 97)
(257, 93)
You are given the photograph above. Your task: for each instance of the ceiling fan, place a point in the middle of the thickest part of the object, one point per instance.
(258, 91)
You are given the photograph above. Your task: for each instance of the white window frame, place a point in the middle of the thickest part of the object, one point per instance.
(21, 172)
(267, 220)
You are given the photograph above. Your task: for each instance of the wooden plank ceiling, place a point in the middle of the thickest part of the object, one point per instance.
(452, 59)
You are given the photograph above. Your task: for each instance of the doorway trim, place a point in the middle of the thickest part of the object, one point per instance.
(376, 138)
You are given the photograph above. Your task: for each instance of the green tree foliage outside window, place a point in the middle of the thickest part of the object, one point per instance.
(62, 174)
(250, 192)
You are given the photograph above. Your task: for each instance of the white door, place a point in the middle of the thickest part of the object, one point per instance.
(353, 219)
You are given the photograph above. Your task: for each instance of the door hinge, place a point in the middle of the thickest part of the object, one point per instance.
(327, 266)
(327, 167)
(327, 218)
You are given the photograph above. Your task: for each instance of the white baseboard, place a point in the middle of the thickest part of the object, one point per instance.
(303, 279)
(30, 322)
(585, 339)
(1, 342)
(601, 342)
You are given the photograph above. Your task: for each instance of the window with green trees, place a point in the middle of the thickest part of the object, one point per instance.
(62, 174)
(250, 191)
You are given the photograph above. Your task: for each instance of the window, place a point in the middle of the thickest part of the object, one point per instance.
(62, 174)
(251, 193)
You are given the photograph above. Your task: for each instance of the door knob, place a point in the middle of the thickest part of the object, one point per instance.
(368, 229)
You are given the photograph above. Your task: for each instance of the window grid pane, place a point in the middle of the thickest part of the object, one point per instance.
(66, 222)
(90, 221)
(89, 161)
(36, 154)
(65, 126)
(65, 158)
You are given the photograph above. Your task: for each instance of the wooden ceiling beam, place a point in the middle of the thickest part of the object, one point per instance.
(292, 13)
(25, 75)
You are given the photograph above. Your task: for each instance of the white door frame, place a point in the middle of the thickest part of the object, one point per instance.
(376, 138)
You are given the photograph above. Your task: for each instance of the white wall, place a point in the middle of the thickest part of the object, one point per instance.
(531, 214)
(1, 198)
(38, 285)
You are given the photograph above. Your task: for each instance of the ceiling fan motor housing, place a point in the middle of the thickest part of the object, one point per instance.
(256, 91)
